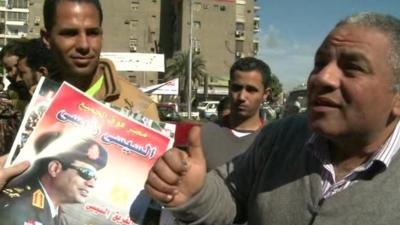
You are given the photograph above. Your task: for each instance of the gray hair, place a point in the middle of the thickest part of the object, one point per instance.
(387, 24)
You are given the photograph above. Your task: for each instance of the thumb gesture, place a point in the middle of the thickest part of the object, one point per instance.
(178, 175)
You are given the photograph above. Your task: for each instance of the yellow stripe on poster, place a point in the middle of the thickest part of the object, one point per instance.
(38, 199)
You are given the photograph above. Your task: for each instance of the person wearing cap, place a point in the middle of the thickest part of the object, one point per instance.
(65, 178)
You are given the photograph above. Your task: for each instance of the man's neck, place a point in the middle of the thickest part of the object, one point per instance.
(51, 195)
(238, 123)
(83, 83)
(346, 155)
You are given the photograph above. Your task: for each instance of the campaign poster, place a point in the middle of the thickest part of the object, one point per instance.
(89, 163)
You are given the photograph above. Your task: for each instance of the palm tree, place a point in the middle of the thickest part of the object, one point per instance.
(178, 67)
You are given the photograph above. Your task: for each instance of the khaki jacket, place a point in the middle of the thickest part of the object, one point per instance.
(118, 91)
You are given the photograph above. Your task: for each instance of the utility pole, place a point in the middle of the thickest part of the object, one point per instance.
(6, 7)
(189, 99)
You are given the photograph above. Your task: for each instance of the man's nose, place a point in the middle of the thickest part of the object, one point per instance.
(82, 44)
(91, 182)
(242, 94)
(18, 77)
(327, 77)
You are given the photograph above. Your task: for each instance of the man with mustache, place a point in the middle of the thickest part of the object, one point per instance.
(337, 164)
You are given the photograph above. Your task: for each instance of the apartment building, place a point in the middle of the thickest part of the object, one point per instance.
(13, 20)
(223, 30)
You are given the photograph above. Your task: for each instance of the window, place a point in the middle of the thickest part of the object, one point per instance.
(133, 45)
(222, 8)
(132, 79)
(18, 4)
(197, 6)
(133, 25)
(256, 25)
(239, 46)
(36, 21)
(239, 32)
(196, 46)
(135, 6)
(152, 37)
(255, 48)
(197, 25)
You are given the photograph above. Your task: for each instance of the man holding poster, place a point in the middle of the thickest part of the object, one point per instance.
(74, 35)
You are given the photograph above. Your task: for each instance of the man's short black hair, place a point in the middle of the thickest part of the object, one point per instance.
(250, 64)
(50, 8)
(224, 103)
(15, 47)
(37, 54)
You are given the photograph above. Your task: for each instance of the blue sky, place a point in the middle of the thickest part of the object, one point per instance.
(292, 30)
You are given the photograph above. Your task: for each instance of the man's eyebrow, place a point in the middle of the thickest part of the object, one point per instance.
(354, 55)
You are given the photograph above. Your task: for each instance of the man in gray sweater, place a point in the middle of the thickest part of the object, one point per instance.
(339, 164)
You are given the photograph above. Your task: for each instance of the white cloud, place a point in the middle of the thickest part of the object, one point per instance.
(272, 39)
(291, 61)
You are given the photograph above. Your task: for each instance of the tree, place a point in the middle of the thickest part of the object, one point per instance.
(276, 88)
(178, 67)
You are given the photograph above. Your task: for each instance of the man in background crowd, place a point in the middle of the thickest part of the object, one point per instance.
(10, 55)
(248, 89)
(232, 135)
(34, 64)
(13, 100)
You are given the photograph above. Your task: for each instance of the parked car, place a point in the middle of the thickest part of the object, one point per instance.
(208, 109)
(168, 114)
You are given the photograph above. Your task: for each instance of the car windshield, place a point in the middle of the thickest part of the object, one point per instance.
(167, 113)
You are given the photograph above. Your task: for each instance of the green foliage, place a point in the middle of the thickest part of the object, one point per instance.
(276, 88)
(178, 67)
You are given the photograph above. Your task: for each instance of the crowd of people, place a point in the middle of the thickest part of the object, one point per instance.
(334, 164)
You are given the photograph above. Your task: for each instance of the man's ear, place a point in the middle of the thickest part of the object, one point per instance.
(42, 71)
(54, 168)
(44, 34)
(396, 105)
(267, 93)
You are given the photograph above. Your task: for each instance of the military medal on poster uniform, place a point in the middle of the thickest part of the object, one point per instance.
(38, 199)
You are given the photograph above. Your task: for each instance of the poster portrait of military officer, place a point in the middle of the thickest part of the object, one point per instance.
(67, 177)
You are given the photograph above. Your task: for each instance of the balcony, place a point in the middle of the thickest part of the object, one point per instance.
(257, 8)
(21, 10)
(256, 26)
(15, 22)
(11, 35)
(239, 33)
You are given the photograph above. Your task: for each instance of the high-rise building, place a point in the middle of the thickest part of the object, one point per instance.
(223, 30)
(13, 20)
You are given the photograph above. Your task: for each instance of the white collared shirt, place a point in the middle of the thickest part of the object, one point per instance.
(53, 209)
(378, 162)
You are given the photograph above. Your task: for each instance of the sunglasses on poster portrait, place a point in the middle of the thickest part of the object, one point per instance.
(84, 172)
